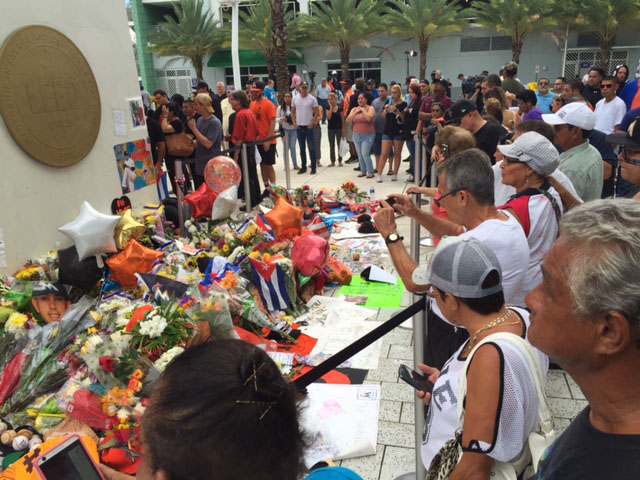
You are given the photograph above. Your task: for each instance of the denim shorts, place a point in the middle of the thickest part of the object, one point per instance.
(376, 149)
(395, 138)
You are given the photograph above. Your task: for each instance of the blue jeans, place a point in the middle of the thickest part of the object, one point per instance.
(305, 134)
(363, 144)
(291, 137)
(411, 145)
(324, 103)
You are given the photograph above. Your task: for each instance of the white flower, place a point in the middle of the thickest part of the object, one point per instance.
(123, 414)
(153, 328)
(166, 358)
(192, 229)
(188, 223)
(120, 341)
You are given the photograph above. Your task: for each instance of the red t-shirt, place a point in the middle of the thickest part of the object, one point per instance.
(245, 129)
(445, 101)
(264, 112)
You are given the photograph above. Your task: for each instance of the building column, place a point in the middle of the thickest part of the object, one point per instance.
(304, 6)
(142, 23)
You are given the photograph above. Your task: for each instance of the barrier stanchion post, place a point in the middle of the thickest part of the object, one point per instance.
(287, 168)
(179, 195)
(426, 159)
(245, 176)
(419, 320)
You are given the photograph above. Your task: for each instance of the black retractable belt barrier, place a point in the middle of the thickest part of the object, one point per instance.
(359, 345)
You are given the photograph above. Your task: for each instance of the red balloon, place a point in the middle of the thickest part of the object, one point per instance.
(285, 219)
(135, 258)
(309, 254)
(201, 201)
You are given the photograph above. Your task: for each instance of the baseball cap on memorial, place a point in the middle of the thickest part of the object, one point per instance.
(50, 288)
(576, 114)
(460, 266)
(534, 150)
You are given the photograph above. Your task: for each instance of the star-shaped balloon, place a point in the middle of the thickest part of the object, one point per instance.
(127, 229)
(135, 258)
(285, 219)
(91, 231)
(201, 201)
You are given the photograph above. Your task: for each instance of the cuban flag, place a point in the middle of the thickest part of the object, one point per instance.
(264, 225)
(269, 279)
(319, 227)
(161, 184)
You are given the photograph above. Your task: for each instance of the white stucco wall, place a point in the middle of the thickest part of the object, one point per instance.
(36, 199)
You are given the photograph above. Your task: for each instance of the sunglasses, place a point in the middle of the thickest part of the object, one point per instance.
(603, 86)
(437, 201)
(627, 153)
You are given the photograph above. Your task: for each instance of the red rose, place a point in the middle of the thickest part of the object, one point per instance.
(107, 364)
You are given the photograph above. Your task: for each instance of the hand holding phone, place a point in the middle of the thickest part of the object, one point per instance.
(415, 379)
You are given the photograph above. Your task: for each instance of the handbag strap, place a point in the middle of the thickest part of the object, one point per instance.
(544, 412)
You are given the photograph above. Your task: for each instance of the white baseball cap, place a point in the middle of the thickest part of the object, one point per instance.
(576, 114)
(534, 150)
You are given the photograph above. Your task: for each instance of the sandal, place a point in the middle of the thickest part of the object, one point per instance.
(332, 164)
(369, 176)
(361, 175)
(390, 172)
(340, 163)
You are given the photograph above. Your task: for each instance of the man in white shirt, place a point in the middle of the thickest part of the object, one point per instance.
(466, 186)
(611, 109)
(305, 115)
(322, 94)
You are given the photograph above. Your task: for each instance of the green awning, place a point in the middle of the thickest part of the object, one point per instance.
(250, 58)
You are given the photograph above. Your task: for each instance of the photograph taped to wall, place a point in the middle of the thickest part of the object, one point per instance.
(135, 165)
(136, 110)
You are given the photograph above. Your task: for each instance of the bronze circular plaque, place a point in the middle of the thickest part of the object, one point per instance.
(49, 97)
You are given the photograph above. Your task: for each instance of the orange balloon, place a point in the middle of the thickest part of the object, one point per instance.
(135, 258)
(285, 219)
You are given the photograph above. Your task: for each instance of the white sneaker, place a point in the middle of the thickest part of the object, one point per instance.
(379, 179)
(394, 178)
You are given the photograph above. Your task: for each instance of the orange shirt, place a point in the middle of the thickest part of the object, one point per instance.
(347, 96)
(265, 111)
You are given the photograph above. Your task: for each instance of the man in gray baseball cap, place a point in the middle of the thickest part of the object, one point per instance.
(579, 161)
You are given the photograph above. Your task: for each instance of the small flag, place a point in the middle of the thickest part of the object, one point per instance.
(320, 228)
(264, 225)
(161, 184)
(269, 279)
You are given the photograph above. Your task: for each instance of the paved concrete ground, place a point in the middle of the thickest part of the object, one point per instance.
(395, 453)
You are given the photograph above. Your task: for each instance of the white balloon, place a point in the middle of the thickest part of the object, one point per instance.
(92, 232)
(225, 204)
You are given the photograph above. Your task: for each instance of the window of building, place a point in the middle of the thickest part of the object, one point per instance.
(587, 40)
(501, 43)
(175, 81)
(258, 73)
(366, 69)
(485, 44)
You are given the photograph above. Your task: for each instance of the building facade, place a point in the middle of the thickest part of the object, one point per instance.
(468, 52)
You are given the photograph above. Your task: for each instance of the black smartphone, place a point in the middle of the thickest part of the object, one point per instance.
(390, 201)
(415, 379)
(70, 461)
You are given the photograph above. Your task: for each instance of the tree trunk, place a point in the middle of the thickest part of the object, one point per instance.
(344, 62)
(516, 49)
(279, 37)
(605, 48)
(424, 47)
(198, 64)
(271, 65)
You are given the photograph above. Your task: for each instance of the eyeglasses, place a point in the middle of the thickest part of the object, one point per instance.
(627, 153)
(607, 85)
(437, 201)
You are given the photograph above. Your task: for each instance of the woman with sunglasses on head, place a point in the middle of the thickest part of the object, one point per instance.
(526, 164)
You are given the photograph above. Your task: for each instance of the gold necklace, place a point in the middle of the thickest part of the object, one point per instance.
(493, 323)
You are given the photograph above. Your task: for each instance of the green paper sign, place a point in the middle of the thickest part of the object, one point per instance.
(374, 294)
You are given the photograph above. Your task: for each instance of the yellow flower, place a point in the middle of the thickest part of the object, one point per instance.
(30, 273)
(92, 330)
(225, 249)
(16, 321)
(254, 255)
(266, 258)
(96, 316)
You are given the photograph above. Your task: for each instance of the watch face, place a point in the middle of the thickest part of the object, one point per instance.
(392, 237)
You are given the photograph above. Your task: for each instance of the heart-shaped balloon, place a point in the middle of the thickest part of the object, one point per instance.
(201, 201)
(285, 219)
(92, 232)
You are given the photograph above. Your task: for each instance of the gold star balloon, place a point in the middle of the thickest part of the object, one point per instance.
(127, 229)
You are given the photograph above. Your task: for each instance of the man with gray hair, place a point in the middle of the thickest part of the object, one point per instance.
(466, 186)
(586, 316)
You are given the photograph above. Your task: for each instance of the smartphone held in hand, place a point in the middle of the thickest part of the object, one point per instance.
(415, 379)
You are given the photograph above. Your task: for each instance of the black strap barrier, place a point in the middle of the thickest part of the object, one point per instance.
(363, 342)
(250, 144)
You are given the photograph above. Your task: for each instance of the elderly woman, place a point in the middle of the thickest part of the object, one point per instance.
(497, 390)
(536, 204)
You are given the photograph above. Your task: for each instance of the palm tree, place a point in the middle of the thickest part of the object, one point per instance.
(345, 24)
(192, 34)
(256, 32)
(423, 20)
(602, 18)
(515, 18)
(279, 38)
